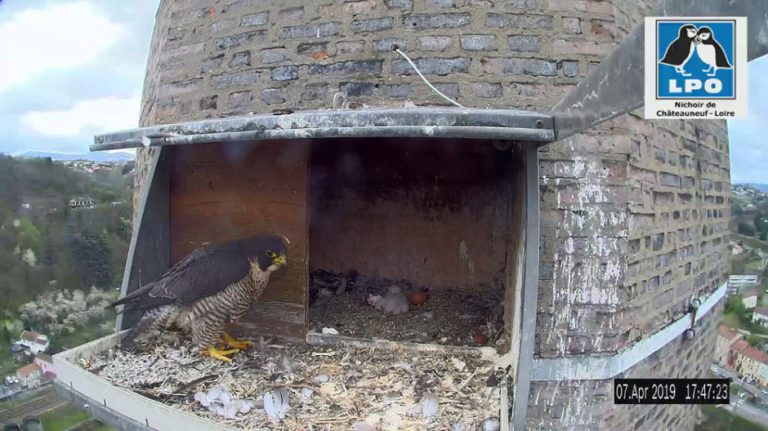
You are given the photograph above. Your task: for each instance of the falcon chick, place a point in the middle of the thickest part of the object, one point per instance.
(212, 286)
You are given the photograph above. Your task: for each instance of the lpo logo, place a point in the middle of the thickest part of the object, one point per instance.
(695, 67)
(695, 59)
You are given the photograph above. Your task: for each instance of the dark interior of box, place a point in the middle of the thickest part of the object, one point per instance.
(439, 219)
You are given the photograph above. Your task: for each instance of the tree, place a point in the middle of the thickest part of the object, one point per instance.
(29, 236)
(753, 340)
(735, 305)
(5, 336)
(128, 167)
(738, 266)
(70, 249)
(761, 222)
(746, 229)
(738, 209)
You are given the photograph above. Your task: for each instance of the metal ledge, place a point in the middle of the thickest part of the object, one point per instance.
(101, 412)
(501, 124)
(608, 367)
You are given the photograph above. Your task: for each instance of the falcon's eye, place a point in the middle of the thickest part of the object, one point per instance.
(271, 254)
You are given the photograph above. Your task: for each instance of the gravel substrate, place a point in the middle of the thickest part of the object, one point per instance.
(448, 317)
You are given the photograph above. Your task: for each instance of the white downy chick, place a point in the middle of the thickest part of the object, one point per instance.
(393, 302)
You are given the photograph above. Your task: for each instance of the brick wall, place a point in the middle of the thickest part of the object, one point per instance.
(633, 213)
(588, 405)
(215, 58)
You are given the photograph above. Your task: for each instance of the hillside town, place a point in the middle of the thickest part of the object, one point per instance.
(418, 215)
(742, 337)
(35, 365)
(90, 166)
(734, 353)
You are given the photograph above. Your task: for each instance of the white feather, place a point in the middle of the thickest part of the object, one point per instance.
(362, 426)
(429, 405)
(276, 403)
(491, 424)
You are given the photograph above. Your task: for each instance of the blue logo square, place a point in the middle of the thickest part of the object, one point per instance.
(695, 59)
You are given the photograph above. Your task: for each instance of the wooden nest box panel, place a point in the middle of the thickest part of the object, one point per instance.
(436, 213)
(438, 210)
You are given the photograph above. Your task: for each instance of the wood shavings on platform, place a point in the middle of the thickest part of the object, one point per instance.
(327, 387)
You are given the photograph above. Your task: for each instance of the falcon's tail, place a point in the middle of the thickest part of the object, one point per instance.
(133, 296)
(128, 342)
(153, 320)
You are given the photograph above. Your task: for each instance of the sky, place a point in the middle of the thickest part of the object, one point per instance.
(70, 69)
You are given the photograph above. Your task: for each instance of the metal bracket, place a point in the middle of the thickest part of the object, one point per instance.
(691, 332)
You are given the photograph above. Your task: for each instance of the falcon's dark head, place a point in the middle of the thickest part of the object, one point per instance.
(268, 252)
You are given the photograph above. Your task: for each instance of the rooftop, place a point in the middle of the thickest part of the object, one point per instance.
(31, 336)
(755, 354)
(28, 369)
(727, 332)
(762, 310)
(739, 346)
(750, 293)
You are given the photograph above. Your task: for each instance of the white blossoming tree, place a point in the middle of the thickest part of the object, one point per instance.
(64, 312)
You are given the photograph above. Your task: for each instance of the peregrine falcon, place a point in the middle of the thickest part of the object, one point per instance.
(209, 288)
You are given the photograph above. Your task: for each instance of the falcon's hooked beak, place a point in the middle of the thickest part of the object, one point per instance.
(281, 260)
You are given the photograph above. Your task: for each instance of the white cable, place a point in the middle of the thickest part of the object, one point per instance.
(439, 93)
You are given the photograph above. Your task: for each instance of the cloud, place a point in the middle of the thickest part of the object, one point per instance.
(55, 38)
(86, 117)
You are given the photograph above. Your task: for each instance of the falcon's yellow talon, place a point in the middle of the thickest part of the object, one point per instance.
(219, 354)
(237, 344)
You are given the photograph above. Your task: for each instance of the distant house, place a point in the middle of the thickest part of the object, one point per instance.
(735, 352)
(20, 353)
(760, 315)
(751, 363)
(34, 341)
(739, 282)
(81, 203)
(749, 298)
(30, 375)
(725, 338)
(45, 362)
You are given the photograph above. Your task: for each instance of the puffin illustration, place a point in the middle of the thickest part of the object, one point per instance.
(680, 51)
(710, 51)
